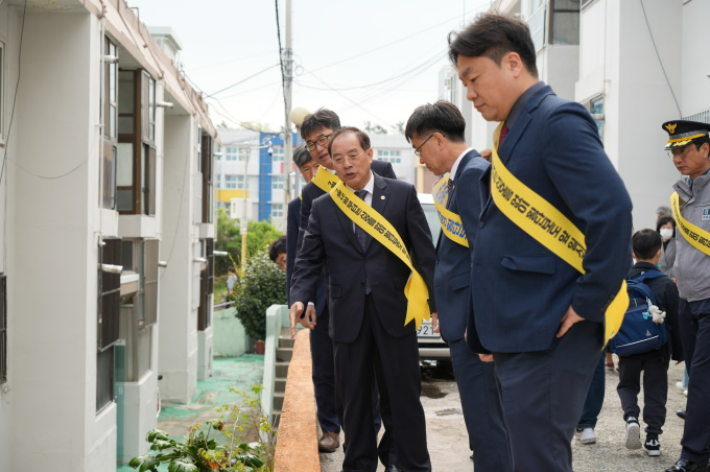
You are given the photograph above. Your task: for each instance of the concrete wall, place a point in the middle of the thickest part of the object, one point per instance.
(178, 343)
(53, 227)
(619, 62)
(230, 338)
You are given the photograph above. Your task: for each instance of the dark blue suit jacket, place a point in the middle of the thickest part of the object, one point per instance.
(330, 241)
(452, 277)
(520, 289)
(311, 191)
(292, 232)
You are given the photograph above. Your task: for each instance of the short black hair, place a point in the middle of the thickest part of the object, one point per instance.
(323, 118)
(362, 137)
(493, 36)
(277, 247)
(664, 220)
(442, 116)
(301, 155)
(646, 244)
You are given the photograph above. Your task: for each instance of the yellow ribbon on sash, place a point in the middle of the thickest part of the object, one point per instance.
(696, 236)
(383, 232)
(325, 180)
(547, 225)
(450, 222)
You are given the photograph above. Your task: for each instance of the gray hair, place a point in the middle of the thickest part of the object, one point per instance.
(301, 155)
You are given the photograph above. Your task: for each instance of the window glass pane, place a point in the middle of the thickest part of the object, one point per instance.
(2, 86)
(144, 176)
(151, 109)
(126, 97)
(108, 172)
(104, 378)
(124, 167)
(124, 200)
(565, 28)
(127, 255)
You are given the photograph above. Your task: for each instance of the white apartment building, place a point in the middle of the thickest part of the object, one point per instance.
(634, 65)
(237, 152)
(107, 233)
(395, 149)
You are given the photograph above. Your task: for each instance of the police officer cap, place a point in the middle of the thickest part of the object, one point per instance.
(683, 132)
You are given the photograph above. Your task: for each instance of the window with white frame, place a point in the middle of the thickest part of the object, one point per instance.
(231, 154)
(389, 155)
(596, 107)
(277, 210)
(278, 154)
(218, 153)
(277, 182)
(219, 181)
(232, 181)
(109, 110)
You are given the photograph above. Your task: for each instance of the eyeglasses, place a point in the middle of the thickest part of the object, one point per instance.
(353, 158)
(322, 141)
(681, 152)
(417, 151)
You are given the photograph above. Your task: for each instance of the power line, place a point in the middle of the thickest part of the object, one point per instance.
(659, 59)
(243, 80)
(17, 88)
(281, 55)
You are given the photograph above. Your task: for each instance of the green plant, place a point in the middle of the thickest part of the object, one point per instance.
(263, 285)
(259, 235)
(228, 452)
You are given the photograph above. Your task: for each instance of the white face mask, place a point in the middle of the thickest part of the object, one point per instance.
(666, 233)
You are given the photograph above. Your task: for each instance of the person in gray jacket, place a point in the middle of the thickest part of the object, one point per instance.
(688, 146)
(665, 226)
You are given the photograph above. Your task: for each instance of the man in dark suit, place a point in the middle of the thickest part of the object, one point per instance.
(437, 134)
(317, 129)
(541, 318)
(366, 283)
(323, 368)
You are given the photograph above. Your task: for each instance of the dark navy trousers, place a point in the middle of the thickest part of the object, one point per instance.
(482, 409)
(695, 336)
(324, 374)
(543, 394)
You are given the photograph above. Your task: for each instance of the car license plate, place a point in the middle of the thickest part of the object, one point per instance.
(426, 331)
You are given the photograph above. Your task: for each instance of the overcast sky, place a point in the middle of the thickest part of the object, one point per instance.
(382, 56)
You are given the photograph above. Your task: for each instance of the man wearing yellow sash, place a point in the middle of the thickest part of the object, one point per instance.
(688, 146)
(372, 236)
(437, 136)
(317, 129)
(552, 246)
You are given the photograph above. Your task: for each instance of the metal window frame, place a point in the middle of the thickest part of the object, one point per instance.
(3, 329)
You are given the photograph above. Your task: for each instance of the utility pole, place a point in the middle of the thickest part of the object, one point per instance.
(288, 135)
(243, 221)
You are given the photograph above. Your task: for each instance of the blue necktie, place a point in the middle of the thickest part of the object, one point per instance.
(361, 236)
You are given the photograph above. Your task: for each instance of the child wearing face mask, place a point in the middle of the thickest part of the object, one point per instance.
(665, 226)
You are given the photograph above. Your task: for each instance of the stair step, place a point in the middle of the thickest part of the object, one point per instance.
(284, 354)
(286, 342)
(281, 370)
(276, 420)
(278, 400)
(279, 385)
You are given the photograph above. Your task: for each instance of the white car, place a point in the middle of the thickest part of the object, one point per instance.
(431, 346)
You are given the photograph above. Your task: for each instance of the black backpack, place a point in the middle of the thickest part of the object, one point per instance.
(638, 332)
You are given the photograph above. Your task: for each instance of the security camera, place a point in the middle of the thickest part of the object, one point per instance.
(270, 151)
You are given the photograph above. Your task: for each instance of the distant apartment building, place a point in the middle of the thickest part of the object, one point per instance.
(107, 233)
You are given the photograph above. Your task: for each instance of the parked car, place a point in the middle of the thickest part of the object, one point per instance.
(431, 345)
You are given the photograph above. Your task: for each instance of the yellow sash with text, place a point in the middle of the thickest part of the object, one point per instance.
(450, 222)
(696, 236)
(547, 225)
(383, 232)
(325, 180)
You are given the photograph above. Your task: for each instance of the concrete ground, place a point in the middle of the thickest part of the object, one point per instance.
(448, 442)
(239, 373)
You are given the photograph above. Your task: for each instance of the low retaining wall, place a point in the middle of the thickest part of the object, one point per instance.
(297, 443)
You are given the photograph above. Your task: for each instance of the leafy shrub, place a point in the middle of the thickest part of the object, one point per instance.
(263, 285)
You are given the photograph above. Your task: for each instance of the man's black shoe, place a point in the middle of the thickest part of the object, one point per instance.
(392, 468)
(684, 465)
(680, 414)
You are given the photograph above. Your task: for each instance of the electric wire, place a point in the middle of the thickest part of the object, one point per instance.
(658, 55)
(243, 80)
